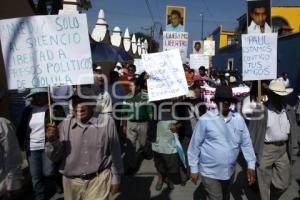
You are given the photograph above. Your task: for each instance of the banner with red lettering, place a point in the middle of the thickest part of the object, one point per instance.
(176, 40)
(209, 93)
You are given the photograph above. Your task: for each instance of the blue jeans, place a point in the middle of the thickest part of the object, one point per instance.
(40, 166)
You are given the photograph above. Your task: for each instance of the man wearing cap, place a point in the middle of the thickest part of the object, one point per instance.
(87, 147)
(217, 139)
(10, 156)
(31, 134)
(274, 135)
(104, 101)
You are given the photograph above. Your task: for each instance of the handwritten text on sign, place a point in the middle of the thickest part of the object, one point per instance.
(198, 60)
(259, 56)
(176, 40)
(46, 50)
(166, 75)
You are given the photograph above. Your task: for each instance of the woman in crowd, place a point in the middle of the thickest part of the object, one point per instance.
(32, 138)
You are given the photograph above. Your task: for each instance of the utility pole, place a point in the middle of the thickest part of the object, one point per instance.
(202, 20)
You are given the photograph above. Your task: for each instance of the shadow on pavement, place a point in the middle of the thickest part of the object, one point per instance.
(199, 193)
(135, 188)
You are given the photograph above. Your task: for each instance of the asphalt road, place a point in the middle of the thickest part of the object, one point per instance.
(142, 187)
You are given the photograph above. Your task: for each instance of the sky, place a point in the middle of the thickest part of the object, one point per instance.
(135, 15)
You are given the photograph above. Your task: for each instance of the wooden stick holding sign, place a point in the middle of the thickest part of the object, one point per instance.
(259, 96)
(49, 105)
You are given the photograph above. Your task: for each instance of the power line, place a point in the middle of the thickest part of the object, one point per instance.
(211, 15)
(149, 10)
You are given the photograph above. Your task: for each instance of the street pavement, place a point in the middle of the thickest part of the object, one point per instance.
(142, 187)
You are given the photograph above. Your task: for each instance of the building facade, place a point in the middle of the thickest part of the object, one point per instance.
(229, 51)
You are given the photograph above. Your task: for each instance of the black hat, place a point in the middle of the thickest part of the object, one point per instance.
(224, 92)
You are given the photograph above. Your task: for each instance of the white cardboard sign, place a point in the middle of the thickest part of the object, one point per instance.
(197, 60)
(139, 66)
(209, 47)
(43, 51)
(166, 75)
(176, 40)
(259, 56)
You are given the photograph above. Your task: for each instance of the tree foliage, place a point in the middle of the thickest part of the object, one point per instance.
(152, 43)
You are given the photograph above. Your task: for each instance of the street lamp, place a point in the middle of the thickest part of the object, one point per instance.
(202, 19)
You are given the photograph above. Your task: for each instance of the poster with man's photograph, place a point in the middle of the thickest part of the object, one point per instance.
(259, 16)
(175, 18)
(198, 47)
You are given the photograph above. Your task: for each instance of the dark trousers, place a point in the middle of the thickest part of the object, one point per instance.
(217, 189)
(39, 166)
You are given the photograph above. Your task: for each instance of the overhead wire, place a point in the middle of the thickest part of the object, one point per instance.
(149, 10)
(209, 12)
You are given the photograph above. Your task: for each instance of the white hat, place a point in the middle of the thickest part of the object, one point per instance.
(278, 87)
(119, 64)
(232, 79)
(98, 67)
(227, 74)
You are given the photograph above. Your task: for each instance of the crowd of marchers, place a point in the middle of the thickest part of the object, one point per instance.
(84, 139)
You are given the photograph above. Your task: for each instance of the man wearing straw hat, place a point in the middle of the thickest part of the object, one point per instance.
(273, 133)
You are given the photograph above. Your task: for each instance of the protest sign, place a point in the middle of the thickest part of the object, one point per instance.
(209, 47)
(197, 60)
(139, 66)
(43, 51)
(209, 93)
(166, 75)
(174, 40)
(259, 56)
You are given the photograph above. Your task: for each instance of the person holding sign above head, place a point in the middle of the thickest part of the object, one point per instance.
(87, 148)
(31, 134)
(217, 140)
(258, 13)
(175, 22)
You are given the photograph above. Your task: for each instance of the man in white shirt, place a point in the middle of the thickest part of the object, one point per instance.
(274, 137)
(258, 15)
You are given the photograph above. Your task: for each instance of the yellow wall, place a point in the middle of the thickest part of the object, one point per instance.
(290, 14)
(224, 38)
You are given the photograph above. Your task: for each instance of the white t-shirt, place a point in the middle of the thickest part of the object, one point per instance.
(37, 126)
